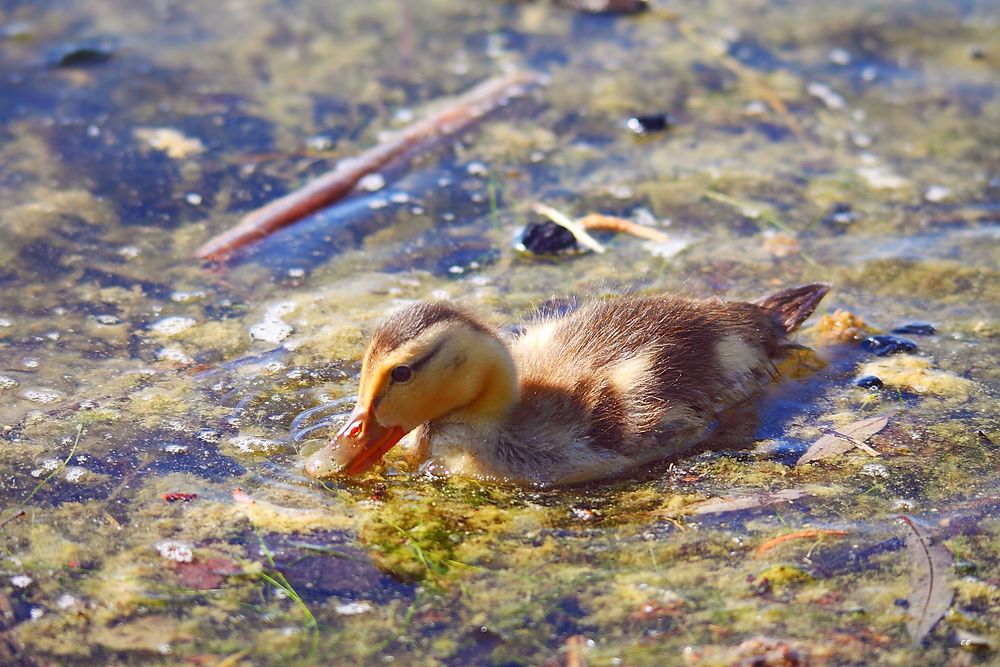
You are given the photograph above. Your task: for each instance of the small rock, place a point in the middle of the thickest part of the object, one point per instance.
(883, 346)
(881, 178)
(648, 124)
(546, 238)
(319, 142)
(477, 169)
(170, 326)
(869, 382)
(40, 395)
(170, 141)
(839, 56)
(826, 95)
(354, 608)
(21, 580)
(176, 551)
(606, 6)
(937, 194)
(271, 331)
(371, 182)
(916, 329)
(84, 53)
(65, 601)
(875, 470)
(840, 214)
(174, 354)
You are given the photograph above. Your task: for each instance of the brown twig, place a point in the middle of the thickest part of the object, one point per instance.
(610, 223)
(798, 535)
(331, 186)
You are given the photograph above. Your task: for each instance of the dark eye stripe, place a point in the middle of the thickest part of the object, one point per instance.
(422, 361)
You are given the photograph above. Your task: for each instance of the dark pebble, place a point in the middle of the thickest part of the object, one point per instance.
(840, 214)
(606, 6)
(643, 125)
(883, 346)
(916, 329)
(82, 54)
(900, 602)
(546, 238)
(869, 382)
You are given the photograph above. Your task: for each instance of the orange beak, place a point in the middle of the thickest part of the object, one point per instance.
(356, 448)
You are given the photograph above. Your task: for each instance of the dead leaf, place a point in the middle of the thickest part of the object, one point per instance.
(750, 501)
(844, 439)
(206, 574)
(931, 586)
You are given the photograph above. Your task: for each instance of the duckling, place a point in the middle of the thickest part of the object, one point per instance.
(616, 384)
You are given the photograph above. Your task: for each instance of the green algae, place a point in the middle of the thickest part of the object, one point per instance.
(486, 574)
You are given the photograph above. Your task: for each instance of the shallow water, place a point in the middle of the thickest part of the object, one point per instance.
(856, 144)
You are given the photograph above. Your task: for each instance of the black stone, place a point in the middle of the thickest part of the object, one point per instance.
(883, 346)
(648, 124)
(916, 329)
(869, 382)
(85, 53)
(547, 238)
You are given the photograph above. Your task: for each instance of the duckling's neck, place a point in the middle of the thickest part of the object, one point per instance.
(494, 375)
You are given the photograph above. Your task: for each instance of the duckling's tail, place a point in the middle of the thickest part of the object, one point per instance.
(790, 307)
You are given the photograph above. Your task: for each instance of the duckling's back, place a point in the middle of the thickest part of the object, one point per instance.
(629, 380)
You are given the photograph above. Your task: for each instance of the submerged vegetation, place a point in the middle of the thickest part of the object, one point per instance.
(152, 506)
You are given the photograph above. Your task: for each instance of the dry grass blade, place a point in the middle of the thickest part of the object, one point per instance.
(322, 191)
(931, 586)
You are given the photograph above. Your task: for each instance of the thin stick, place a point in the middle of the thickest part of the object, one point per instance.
(331, 186)
(611, 223)
(798, 535)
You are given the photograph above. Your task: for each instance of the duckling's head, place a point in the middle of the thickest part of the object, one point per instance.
(428, 361)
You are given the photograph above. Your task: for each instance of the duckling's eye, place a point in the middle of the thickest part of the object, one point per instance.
(402, 374)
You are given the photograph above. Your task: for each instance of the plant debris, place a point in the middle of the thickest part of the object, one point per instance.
(835, 442)
(931, 586)
(744, 502)
(806, 534)
(324, 190)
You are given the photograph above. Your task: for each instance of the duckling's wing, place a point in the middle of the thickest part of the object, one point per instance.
(632, 373)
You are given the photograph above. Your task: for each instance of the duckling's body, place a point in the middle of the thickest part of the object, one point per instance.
(613, 385)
